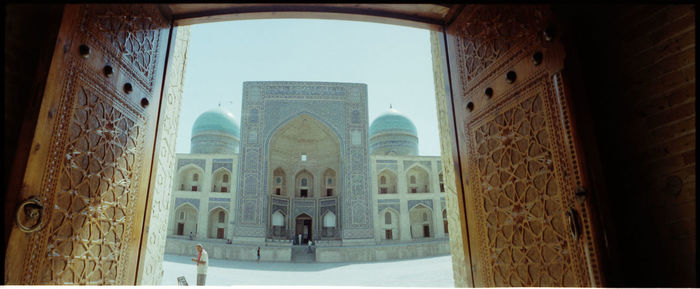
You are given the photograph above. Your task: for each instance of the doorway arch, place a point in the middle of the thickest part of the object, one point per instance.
(428, 16)
(252, 11)
(303, 229)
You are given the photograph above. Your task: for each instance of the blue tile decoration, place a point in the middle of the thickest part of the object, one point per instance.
(388, 201)
(395, 207)
(309, 90)
(355, 116)
(222, 163)
(197, 162)
(327, 202)
(280, 201)
(225, 200)
(253, 116)
(280, 208)
(394, 168)
(412, 203)
(193, 202)
(226, 206)
(304, 207)
(267, 106)
(425, 164)
(326, 209)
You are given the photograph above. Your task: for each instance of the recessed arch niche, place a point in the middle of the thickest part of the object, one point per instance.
(310, 150)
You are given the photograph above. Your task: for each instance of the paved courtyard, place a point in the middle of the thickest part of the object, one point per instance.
(424, 272)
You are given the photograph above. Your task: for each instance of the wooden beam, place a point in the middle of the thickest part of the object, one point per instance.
(427, 16)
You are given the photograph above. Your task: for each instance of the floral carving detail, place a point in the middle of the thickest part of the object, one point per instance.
(487, 34)
(95, 197)
(525, 241)
(131, 34)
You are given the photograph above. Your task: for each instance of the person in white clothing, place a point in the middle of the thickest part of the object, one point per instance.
(202, 261)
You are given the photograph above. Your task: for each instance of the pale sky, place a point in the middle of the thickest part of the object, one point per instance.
(394, 62)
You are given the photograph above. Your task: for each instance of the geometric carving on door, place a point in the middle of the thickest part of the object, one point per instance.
(130, 33)
(519, 195)
(488, 33)
(94, 198)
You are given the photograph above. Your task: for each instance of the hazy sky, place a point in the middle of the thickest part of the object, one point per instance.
(394, 62)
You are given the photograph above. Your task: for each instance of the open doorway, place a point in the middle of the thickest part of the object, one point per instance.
(304, 229)
(361, 133)
(483, 60)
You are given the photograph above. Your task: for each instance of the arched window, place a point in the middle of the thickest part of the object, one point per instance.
(387, 218)
(278, 219)
(303, 182)
(222, 215)
(225, 178)
(330, 181)
(195, 177)
(182, 215)
(425, 217)
(382, 180)
(413, 180)
(278, 180)
(329, 220)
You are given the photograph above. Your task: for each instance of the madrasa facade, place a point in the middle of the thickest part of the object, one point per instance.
(305, 165)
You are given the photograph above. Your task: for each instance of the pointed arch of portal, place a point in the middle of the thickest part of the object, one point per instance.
(303, 228)
(304, 143)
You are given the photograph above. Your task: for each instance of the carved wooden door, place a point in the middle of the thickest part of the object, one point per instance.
(86, 179)
(526, 227)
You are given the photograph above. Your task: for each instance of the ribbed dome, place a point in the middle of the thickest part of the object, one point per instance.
(219, 120)
(392, 121)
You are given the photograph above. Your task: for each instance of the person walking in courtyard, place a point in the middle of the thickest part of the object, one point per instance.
(202, 261)
(258, 254)
(190, 235)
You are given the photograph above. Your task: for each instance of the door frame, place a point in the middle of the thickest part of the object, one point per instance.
(428, 16)
(434, 18)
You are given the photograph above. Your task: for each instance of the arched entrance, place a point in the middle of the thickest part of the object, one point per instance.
(186, 217)
(304, 227)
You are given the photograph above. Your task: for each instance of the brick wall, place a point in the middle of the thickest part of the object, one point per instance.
(638, 69)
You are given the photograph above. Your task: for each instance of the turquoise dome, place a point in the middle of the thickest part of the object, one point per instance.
(393, 134)
(392, 121)
(217, 120)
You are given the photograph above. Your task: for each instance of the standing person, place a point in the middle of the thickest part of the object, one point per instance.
(190, 235)
(202, 261)
(258, 254)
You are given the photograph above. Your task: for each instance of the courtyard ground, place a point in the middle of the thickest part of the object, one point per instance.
(424, 272)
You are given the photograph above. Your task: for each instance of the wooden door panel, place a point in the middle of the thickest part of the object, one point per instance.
(92, 148)
(517, 149)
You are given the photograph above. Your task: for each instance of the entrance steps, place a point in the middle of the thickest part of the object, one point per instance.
(301, 254)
